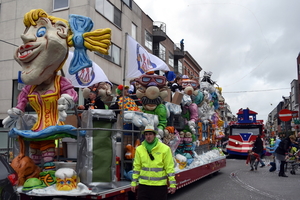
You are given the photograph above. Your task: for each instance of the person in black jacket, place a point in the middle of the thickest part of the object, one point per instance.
(258, 148)
(93, 102)
(282, 152)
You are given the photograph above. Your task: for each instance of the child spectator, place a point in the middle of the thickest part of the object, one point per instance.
(176, 86)
(253, 158)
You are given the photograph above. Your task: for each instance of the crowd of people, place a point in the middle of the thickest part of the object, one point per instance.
(282, 151)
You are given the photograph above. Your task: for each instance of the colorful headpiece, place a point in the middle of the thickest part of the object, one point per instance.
(120, 89)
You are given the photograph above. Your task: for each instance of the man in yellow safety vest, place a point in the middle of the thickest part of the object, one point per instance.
(153, 168)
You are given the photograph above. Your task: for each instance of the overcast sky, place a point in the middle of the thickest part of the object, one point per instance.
(251, 46)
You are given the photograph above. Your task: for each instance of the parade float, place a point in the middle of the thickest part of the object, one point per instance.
(243, 133)
(187, 120)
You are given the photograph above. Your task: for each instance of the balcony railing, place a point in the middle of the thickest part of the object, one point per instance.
(159, 31)
(178, 52)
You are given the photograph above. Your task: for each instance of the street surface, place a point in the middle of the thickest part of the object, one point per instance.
(237, 182)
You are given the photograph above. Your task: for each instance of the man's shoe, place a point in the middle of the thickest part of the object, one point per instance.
(255, 168)
(251, 169)
(282, 175)
(262, 166)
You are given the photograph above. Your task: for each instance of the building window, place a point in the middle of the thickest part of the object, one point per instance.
(171, 59)
(117, 17)
(128, 2)
(60, 4)
(179, 67)
(16, 91)
(162, 52)
(114, 54)
(109, 11)
(133, 31)
(148, 40)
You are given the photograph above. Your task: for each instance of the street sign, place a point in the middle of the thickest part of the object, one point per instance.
(295, 114)
(285, 115)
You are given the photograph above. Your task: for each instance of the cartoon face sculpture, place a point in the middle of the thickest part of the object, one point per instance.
(66, 179)
(44, 49)
(151, 89)
(103, 90)
(189, 86)
(181, 160)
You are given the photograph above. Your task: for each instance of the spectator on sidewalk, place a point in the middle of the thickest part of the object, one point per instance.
(253, 158)
(275, 165)
(282, 152)
(259, 148)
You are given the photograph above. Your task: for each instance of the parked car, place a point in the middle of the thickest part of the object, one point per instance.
(8, 181)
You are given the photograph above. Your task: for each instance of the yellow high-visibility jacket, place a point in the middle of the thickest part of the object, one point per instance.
(154, 172)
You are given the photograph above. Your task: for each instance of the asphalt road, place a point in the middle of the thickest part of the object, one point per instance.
(237, 182)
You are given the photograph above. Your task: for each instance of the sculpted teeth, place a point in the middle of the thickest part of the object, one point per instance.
(25, 53)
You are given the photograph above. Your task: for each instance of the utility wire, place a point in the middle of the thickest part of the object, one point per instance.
(267, 90)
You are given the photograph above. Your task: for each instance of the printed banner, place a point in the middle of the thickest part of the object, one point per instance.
(140, 61)
(85, 77)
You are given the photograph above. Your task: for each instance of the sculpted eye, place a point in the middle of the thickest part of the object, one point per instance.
(159, 80)
(146, 79)
(41, 32)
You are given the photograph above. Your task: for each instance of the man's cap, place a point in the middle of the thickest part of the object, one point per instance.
(149, 128)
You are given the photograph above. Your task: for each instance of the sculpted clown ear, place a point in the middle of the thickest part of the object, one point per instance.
(62, 29)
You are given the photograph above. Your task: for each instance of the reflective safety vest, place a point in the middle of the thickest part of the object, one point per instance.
(156, 171)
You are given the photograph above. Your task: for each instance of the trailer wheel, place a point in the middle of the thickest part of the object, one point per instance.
(216, 173)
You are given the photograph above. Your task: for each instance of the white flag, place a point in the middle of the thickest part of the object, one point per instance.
(85, 77)
(140, 61)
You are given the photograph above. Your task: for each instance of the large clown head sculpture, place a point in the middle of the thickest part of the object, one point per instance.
(189, 85)
(45, 47)
(44, 51)
(152, 89)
